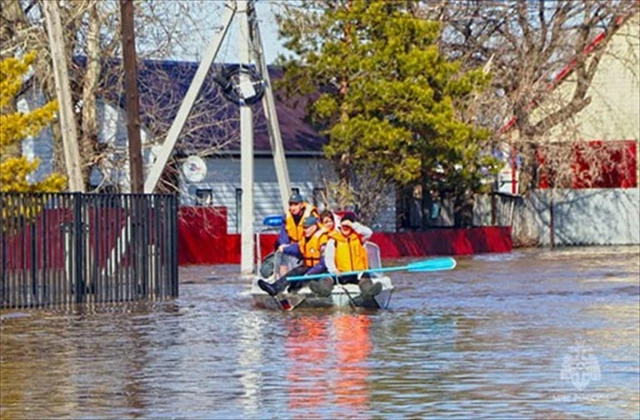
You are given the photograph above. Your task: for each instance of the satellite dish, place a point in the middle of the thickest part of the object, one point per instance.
(194, 169)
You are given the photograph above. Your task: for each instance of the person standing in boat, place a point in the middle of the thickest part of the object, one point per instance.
(310, 249)
(345, 252)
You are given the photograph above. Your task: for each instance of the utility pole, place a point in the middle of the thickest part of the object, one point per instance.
(189, 99)
(246, 148)
(249, 45)
(269, 106)
(131, 89)
(63, 92)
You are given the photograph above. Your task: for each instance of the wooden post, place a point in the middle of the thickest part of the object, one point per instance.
(189, 99)
(552, 239)
(131, 88)
(269, 106)
(493, 208)
(247, 242)
(63, 92)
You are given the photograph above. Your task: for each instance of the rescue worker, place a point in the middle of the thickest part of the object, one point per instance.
(310, 249)
(345, 252)
(292, 230)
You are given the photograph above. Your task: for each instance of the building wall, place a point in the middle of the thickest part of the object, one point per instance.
(586, 215)
(112, 130)
(307, 174)
(40, 146)
(614, 111)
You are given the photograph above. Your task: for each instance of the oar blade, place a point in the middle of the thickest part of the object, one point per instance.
(436, 264)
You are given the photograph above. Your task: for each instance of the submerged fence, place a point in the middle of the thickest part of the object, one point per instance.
(69, 248)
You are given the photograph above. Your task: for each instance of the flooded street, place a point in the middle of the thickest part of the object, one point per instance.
(532, 334)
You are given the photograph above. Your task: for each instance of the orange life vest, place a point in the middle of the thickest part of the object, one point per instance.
(350, 252)
(296, 232)
(311, 248)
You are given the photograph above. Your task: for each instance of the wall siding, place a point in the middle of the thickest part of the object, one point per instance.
(614, 111)
(112, 130)
(305, 173)
(223, 174)
(40, 146)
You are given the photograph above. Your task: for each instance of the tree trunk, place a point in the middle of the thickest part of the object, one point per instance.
(89, 136)
(463, 209)
(426, 199)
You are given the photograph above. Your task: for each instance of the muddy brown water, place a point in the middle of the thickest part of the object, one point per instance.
(550, 334)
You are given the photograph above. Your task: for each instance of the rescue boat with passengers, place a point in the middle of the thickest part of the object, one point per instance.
(276, 265)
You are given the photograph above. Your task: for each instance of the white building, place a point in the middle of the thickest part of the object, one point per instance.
(600, 202)
(212, 133)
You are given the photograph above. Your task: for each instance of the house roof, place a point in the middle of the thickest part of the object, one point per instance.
(567, 70)
(213, 126)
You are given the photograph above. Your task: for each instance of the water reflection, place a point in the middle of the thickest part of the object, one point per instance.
(486, 340)
(51, 360)
(353, 346)
(327, 363)
(307, 350)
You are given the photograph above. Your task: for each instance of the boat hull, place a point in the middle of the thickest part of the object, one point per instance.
(342, 296)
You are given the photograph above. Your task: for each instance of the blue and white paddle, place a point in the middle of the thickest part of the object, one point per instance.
(435, 264)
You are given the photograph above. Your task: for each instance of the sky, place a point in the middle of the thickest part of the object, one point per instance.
(269, 31)
(229, 49)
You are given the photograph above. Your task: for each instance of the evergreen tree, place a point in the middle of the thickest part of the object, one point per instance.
(15, 126)
(389, 101)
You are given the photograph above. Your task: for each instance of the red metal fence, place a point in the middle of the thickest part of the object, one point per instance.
(203, 239)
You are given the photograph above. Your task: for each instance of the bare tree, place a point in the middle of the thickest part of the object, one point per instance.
(530, 47)
(175, 30)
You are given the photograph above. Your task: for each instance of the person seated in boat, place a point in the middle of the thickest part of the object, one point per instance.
(328, 220)
(292, 230)
(345, 252)
(310, 249)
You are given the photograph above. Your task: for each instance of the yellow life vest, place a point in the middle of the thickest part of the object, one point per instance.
(311, 248)
(296, 232)
(350, 252)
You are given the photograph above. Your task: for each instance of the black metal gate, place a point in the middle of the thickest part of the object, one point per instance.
(69, 248)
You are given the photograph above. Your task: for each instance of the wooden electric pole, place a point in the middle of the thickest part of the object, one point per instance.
(131, 89)
(247, 242)
(63, 93)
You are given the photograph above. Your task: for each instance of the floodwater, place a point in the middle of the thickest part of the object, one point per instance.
(531, 334)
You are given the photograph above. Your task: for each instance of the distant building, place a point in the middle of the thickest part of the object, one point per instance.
(597, 200)
(212, 133)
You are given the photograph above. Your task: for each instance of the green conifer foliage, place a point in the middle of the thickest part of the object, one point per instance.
(15, 126)
(390, 101)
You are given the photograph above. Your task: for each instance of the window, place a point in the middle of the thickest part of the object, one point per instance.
(238, 209)
(204, 197)
(295, 190)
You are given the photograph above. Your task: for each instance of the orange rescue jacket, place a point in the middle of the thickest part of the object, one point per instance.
(296, 232)
(350, 252)
(311, 249)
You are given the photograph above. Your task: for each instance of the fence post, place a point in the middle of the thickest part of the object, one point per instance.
(174, 248)
(78, 249)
